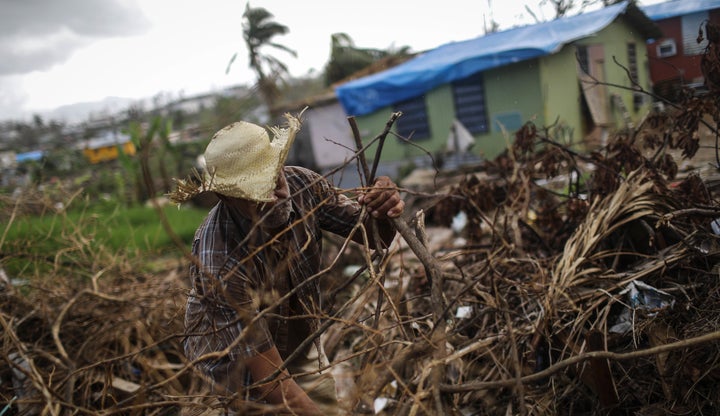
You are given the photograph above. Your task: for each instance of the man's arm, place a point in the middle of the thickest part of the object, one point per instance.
(282, 390)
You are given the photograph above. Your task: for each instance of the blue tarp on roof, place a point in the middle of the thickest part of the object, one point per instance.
(678, 8)
(458, 60)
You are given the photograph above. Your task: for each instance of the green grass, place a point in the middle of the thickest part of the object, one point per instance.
(94, 236)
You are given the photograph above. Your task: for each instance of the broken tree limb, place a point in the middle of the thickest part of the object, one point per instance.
(432, 269)
(366, 178)
(560, 365)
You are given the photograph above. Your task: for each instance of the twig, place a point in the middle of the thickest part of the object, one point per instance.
(433, 272)
(369, 180)
(486, 385)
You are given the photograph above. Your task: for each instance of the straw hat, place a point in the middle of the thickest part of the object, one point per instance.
(242, 162)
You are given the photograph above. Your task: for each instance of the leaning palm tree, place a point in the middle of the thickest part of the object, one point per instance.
(258, 31)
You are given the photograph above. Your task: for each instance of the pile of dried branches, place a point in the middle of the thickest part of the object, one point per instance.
(583, 283)
(593, 293)
(93, 334)
(601, 293)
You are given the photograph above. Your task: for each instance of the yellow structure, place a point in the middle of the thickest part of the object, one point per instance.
(106, 148)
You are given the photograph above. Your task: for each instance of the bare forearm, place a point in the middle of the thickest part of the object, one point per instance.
(282, 390)
(294, 397)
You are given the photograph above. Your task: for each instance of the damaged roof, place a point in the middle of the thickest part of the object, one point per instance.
(458, 60)
(678, 8)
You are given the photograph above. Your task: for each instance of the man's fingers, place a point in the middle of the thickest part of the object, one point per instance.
(383, 199)
(397, 210)
(388, 203)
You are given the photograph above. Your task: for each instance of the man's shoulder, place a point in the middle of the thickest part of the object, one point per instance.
(210, 221)
(301, 172)
(300, 177)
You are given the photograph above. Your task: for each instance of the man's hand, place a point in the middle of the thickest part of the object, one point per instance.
(383, 199)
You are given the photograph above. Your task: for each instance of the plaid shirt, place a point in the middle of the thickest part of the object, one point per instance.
(241, 271)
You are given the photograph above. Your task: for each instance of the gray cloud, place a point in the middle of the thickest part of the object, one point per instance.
(11, 99)
(38, 34)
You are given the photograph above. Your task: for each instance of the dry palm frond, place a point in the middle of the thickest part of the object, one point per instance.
(579, 263)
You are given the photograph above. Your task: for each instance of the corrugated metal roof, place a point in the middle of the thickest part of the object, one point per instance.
(458, 60)
(678, 8)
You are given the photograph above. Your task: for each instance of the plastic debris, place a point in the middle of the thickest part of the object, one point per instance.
(463, 312)
(379, 404)
(459, 222)
(715, 225)
(641, 296)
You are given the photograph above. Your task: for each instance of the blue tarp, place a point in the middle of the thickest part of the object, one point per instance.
(678, 8)
(458, 60)
(34, 155)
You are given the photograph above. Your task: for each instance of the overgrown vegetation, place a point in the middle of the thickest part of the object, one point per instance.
(37, 243)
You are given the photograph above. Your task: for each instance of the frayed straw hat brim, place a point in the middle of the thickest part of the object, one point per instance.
(241, 162)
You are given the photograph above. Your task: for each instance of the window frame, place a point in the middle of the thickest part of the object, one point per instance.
(583, 58)
(667, 43)
(414, 123)
(471, 90)
(633, 62)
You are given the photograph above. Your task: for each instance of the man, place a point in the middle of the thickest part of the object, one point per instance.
(255, 294)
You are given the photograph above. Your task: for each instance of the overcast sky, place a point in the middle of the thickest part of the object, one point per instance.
(58, 52)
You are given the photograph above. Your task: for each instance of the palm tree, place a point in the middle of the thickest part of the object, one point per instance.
(346, 59)
(258, 31)
(564, 7)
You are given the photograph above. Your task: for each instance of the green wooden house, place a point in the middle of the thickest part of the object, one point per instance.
(580, 74)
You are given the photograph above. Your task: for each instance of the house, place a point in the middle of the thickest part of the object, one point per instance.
(107, 146)
(321, 115)
(326, 142)
(570, 73)
(675, 57)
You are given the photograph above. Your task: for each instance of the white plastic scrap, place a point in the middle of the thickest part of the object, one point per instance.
(715, 225)
(464, 312)
(4, 279)
(379, 404)
(351, 269)
(642, 296)
(459, 222)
